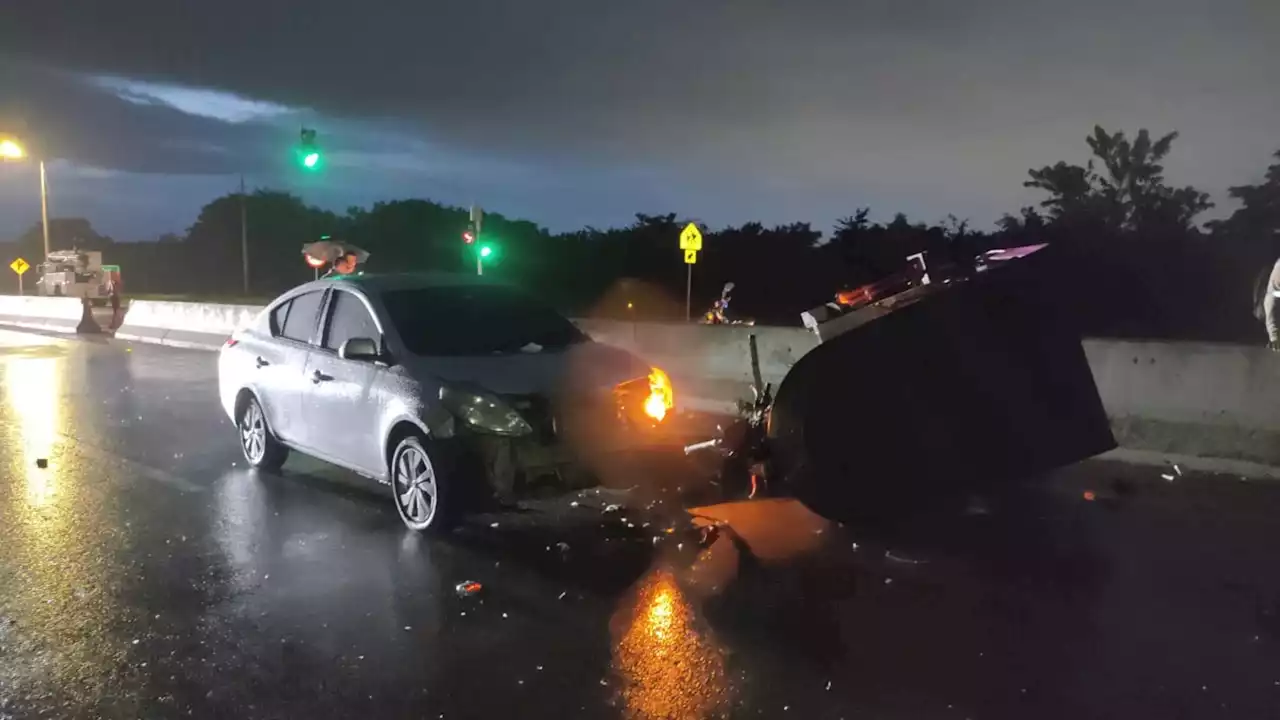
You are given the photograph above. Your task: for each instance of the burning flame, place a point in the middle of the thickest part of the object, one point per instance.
(661, 398)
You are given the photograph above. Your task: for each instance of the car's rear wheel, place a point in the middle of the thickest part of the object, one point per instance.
(260, 447)
(420, 493)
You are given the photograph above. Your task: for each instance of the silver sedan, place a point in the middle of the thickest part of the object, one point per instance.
(449, 389)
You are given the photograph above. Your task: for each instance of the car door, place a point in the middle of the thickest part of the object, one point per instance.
(282, 364)
(342, 417)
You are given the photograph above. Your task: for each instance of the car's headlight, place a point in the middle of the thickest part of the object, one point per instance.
(649, 397)
(482, 411)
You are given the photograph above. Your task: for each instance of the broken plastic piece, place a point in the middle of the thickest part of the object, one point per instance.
(468, 588)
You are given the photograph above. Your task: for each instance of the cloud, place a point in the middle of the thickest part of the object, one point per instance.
(198, 102)
(738, 110)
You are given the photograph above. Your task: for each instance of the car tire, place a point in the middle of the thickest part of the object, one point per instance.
(259, 445)
(419, 471)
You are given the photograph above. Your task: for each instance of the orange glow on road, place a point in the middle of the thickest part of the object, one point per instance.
(670, 666)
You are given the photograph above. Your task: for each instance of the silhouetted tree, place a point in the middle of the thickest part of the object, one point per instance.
(1125, 243)
(1129, 194)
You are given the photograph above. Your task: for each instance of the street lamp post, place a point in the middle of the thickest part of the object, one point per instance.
(44, 209)
(11, 150)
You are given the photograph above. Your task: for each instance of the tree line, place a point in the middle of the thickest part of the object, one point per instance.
(1128, 253)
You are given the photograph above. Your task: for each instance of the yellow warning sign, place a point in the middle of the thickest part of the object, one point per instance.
(690, 257)
(19, 266)
(690, 239)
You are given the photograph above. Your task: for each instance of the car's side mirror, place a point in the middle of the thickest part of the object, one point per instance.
(360, 349)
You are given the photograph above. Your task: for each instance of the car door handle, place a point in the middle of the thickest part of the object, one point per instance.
(260, 362)
(318, 377)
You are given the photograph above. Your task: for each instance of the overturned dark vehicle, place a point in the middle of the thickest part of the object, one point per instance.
(927, 388)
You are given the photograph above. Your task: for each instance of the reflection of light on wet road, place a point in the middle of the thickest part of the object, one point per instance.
(33, 392)
(240, 526)
(670, 667)
(58, 565)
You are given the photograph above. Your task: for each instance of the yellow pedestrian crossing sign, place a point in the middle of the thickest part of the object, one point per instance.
(690, 239)
(19, 266)
(690, 257)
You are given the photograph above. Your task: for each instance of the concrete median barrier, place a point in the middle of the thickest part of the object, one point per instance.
(710, 365)
(57, 314)
(1194, 399)
(200, 326)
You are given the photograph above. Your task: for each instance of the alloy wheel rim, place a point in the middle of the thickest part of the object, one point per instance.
(415, 486)
(253, 433)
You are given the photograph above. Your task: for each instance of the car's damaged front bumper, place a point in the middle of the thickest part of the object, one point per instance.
(573, 445)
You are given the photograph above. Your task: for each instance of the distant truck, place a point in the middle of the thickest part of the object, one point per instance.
(78, 274)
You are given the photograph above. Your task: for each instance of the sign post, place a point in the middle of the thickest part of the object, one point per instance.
(19, 266)
(690, 243)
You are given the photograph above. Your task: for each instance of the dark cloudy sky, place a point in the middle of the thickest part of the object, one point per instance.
(574, 112)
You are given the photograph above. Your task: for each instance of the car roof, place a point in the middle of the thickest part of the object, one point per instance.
(381, 282)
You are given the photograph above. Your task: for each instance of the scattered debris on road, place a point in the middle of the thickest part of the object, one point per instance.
(467, 588)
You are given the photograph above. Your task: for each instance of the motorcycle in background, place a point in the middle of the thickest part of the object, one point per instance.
(719, 312)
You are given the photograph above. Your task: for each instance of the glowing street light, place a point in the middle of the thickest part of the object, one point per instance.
(11, 149)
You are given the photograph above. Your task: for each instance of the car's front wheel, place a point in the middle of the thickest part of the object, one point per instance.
(420, 493)
(260, 447)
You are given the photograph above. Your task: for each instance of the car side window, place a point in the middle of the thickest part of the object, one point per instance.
(348, 318)
(278, 317)
(301, 321)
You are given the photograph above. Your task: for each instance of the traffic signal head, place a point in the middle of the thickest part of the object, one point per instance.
(308, 152)
(486, 251)
(469, 235)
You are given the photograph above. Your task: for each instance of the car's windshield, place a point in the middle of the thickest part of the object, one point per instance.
(475, 320)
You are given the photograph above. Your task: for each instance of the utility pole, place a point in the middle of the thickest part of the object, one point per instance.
(44, 209)
(477, 217)
(244, 236)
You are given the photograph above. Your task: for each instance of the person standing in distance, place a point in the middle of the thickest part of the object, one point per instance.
(1266, 293)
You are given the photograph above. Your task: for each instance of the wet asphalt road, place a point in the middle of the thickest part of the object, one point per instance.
(144, 573)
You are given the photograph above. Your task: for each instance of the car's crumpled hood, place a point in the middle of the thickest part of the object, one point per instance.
(582, 368)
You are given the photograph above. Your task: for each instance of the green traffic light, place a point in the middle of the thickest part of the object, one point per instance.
(311, 160)
(486, 251)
